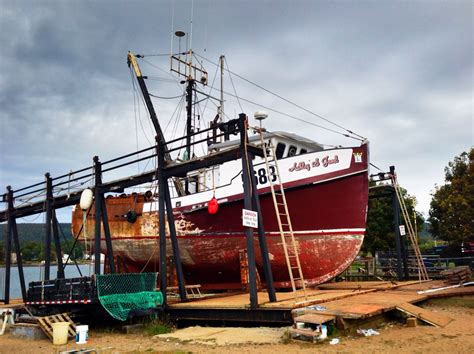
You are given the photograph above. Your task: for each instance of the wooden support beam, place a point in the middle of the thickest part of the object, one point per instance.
(98, 208)
(247, 175)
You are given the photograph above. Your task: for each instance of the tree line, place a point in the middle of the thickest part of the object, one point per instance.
(451, 215)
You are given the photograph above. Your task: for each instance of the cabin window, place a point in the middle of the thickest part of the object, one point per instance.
(280, 150)
(292, 150)
(303, 151)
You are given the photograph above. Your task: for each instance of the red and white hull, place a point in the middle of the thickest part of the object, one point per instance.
(327, 195)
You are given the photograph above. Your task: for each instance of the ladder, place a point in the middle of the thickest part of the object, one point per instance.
(284, 222)
(422, 273)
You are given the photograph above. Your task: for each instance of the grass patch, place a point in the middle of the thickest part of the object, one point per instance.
(157, 327)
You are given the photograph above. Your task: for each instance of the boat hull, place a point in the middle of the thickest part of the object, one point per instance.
(328, 215)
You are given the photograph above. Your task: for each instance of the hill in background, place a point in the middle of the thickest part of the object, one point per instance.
(36, 232)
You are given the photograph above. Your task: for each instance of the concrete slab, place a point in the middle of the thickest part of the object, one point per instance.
(27, 331)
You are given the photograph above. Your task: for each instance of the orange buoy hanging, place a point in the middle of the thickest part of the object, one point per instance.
(212, 206)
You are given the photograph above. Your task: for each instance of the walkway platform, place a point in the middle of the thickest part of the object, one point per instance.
(345, 300)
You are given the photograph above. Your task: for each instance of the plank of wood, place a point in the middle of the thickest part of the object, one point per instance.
(316, 318)
(432, 318)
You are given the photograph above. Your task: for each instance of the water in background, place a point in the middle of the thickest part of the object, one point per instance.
(35, 273)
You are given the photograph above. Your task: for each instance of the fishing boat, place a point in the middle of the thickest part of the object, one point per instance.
(326, 195)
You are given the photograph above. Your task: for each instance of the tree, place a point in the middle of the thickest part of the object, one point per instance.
(380, 235)
(452, 207)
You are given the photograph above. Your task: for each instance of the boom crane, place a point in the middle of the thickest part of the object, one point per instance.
(132, 62)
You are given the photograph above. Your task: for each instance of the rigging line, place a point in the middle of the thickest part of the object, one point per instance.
(232, 82)
(172, 116)
(166, 98)
(286, 100)
(201, 124)
(135, 114)
(160, 79)
(172, 27)
(158, 55)
(139, 115)
(296, 118)
(211, 88)
(371, 164)
(163, 71)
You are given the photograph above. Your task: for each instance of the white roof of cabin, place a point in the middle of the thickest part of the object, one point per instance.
(284, 137)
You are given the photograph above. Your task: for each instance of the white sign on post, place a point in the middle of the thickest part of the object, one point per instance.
(402, 230)
(249, 218)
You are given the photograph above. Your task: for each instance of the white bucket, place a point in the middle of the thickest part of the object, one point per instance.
(324, 332)
(82, 334)
(60, 331)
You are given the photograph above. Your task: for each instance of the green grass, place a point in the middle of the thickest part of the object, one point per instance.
(157, 327)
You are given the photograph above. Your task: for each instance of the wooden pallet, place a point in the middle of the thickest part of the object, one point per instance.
(46, 324)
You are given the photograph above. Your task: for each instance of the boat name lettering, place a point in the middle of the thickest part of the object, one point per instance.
(324, 162)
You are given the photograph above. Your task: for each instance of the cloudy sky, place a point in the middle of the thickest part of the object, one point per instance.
(399, 73)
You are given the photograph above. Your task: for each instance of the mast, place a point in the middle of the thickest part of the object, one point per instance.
(221, 107)
(189, 116)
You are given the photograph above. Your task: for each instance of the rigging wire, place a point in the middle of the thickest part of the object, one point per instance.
(144, 104)
(232, 82)
(135, 116)
(163, 71)
(284, 99)
(166, 98)
(211, 88)
(294, 117)
(371, 164)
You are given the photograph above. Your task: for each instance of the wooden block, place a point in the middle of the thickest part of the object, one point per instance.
(432, 318)
(412, 322)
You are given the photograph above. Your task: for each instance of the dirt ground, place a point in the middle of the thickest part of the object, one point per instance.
(456, 337)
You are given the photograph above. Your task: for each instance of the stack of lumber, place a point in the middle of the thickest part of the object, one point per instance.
(457, 275)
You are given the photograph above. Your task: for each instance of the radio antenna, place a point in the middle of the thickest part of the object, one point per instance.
(191, 25)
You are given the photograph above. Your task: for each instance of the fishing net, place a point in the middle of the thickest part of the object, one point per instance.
(122, 293)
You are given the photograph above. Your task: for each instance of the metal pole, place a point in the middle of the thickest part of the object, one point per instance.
(221, 103)
(8, 246)
(162, 221)
(47, 240)
(248, 205)
(19, 261)
(267, 269)
(189, 125)
(54, 225)
(396, 225)
(98, 216)
(57, 244)
(108, 239)
(174, 242)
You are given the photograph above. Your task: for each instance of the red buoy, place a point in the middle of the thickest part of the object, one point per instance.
(212, 206)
